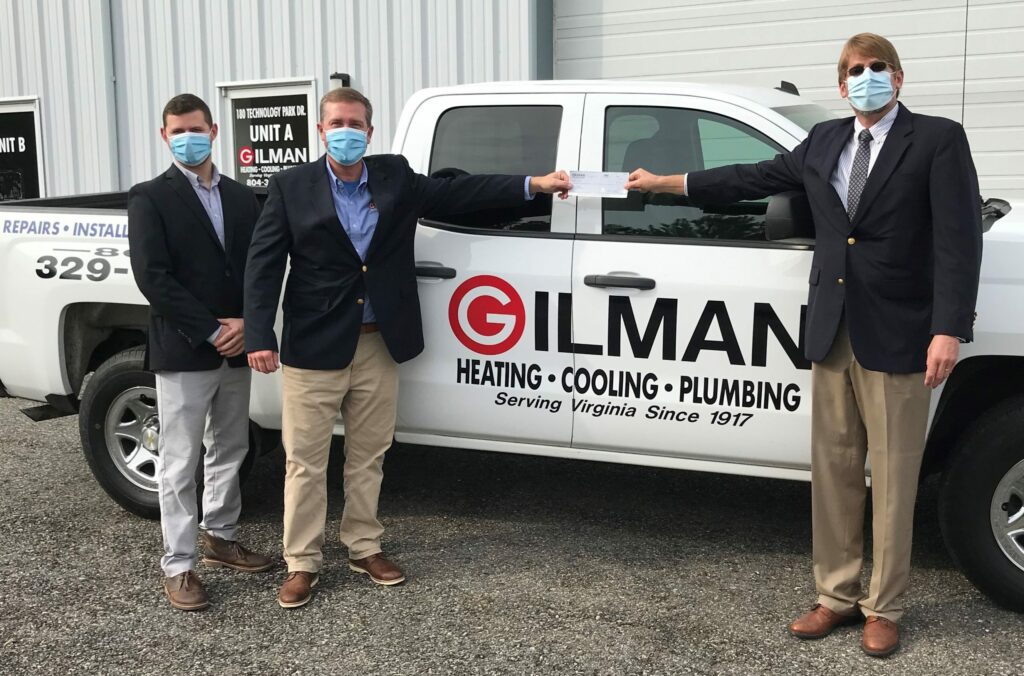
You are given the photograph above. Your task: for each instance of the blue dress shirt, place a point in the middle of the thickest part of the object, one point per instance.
(358, 215)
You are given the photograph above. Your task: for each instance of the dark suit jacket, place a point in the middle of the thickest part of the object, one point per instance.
(910, 260)
(321, 313)
(189, 279)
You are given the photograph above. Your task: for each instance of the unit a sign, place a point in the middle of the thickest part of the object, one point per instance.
(271, 134)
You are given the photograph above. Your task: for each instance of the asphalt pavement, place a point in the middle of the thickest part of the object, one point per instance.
(516, 565)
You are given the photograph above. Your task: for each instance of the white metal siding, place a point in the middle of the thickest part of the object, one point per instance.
(761, 42)
(391, 49)
(99, 134)
(55, 49)
(994, 94)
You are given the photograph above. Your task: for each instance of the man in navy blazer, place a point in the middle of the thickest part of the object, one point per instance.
(189, 230)
(893, 284)
(351, 315)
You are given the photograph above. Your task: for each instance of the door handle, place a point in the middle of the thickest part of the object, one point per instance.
(619, 282)
(435, 271)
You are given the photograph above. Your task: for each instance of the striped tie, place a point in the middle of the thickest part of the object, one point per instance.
(859, 173)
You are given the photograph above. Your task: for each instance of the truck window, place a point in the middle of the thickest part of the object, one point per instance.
(675, 141)
(806, 115)
(499, 140)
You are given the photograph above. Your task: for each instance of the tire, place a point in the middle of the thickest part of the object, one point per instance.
(981, 504)
(119, 426)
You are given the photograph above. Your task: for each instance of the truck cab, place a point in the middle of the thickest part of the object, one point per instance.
(642, 330)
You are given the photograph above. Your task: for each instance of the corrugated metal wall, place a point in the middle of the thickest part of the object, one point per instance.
(57, 50)
(994, 94)
(391, 48)
(760, 42)
(114, 63)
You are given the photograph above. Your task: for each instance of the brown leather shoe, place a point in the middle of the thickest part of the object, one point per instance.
(218, 552)
(297, 589)
(379, 569)
(819, 622)
(185, 591)
(881, 636)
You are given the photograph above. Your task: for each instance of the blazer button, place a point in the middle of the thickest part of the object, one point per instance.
(840, 281)
(227, 273)
(359, 301)
(364, 268)
(851, 241)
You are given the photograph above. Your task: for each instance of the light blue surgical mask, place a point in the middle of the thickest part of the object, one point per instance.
(870, 91)
(346, 145)
(190, 148)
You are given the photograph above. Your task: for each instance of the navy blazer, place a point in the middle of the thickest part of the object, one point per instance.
(328, 281)
(907, 267)
(189, 279)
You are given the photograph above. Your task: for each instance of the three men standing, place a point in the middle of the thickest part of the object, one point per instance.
(189, 231)
(351, 315)
(893, 285)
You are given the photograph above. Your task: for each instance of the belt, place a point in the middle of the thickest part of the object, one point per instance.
(369, 328)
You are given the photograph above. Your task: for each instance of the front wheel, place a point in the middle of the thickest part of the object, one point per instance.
(120, 430)
(982, 504)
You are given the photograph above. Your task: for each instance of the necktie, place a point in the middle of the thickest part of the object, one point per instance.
(859, 172)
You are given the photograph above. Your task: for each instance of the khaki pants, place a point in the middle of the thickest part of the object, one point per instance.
(858, 413)
(366, 393)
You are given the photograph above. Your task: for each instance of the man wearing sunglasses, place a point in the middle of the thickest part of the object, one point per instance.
(893, 284)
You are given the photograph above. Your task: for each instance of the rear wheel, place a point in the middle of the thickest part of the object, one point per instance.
(120, 431)
(982, 504)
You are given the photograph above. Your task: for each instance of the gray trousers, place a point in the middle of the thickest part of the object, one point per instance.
(200, 408)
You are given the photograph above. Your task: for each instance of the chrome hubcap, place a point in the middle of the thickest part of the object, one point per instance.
(132, 432)
(1007, 514)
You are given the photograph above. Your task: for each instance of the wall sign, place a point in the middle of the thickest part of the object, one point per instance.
(270, 126)
(21, 158)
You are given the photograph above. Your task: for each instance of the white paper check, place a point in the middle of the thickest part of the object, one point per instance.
(598, 183)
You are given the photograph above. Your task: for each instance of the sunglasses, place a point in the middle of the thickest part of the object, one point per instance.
(877, 67)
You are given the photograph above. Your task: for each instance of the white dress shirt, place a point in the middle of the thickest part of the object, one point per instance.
(879, 130)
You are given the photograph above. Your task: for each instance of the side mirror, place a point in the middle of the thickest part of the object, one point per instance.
(788, 217)
(992, 210)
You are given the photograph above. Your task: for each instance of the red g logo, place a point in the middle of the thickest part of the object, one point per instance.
(487, 315)
(246, 156)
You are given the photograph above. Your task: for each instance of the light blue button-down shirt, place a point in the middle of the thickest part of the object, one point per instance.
(358, 216)
(210, 199)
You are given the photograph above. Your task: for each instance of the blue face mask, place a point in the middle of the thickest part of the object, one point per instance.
(346, 145)
(190, 148)
(869, 91)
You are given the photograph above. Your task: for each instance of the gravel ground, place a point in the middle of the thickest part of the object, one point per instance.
(515, 564)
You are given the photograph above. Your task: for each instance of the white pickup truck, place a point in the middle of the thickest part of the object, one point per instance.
(642, 330)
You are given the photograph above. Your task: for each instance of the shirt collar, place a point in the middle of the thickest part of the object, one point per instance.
(193, 177)
(879, 129)
(337, 181)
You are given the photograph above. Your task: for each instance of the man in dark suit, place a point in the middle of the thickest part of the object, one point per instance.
(189, 231)
(351, 314)
(893, 284)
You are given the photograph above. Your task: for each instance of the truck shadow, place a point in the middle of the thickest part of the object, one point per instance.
(616, 507)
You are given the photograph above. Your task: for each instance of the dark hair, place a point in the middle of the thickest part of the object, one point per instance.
(349, 95)
(186, 103)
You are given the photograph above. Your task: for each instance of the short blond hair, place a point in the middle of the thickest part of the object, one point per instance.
(868, 44)
(350, 95)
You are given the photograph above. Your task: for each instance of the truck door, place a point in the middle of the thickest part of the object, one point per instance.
(487, 279)
(687, 324)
